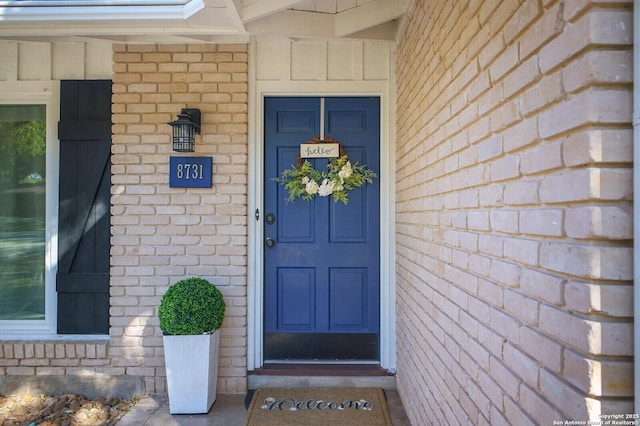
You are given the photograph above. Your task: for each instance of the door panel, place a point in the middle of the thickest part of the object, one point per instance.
(349, 224)
(296, 295)
(348, 291)
(295, 225)
(322, 276)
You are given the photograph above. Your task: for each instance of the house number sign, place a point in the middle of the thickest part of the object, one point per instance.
(190, 172)
(319, 150)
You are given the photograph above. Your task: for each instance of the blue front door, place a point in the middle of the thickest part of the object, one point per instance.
(322, 258)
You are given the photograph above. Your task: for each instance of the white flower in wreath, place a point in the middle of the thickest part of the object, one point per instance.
(311, 186)
(345, 171)
(326, 188)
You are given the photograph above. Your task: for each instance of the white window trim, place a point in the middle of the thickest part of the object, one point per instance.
(48, 94)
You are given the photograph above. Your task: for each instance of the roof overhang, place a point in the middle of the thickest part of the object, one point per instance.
(170, 21)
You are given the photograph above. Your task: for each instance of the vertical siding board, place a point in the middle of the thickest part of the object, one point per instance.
(309, 60)
(34, 61)
(98, 62)
(375, 54)
(9, 63)
(273, 60)
(345, 61)
(68, 61)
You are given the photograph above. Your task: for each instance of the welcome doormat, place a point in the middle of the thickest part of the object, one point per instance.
(318, 406)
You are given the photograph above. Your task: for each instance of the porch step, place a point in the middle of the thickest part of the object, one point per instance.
(321, 375)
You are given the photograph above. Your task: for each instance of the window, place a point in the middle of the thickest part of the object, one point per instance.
(22, 212)
(29, 114)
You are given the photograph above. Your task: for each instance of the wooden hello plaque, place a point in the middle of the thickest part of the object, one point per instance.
(319, 150)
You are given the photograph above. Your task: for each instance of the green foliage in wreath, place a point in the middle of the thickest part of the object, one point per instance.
(342, 176)
(191, 306)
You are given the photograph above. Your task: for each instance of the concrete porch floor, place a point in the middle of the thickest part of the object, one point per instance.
(228, 410)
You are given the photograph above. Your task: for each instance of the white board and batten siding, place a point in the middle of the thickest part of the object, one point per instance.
(44, 61)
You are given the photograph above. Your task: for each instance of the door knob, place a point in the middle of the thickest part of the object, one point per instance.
(269, 242)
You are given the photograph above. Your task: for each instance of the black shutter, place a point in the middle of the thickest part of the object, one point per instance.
(84, 207)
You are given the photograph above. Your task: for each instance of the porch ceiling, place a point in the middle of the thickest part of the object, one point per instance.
(188, 21)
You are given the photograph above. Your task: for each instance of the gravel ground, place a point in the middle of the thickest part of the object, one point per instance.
(62, 410)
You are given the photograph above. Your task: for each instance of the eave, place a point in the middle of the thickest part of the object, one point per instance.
(171, 21)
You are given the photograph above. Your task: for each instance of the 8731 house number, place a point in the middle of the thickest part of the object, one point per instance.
(190, 172)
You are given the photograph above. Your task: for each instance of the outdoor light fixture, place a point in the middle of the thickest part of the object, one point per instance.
(185, 128)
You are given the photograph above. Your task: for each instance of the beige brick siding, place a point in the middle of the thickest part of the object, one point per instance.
(51, 358)
(514, 253)
(161, 234)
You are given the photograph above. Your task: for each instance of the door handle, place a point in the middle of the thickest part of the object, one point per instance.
(269, 242)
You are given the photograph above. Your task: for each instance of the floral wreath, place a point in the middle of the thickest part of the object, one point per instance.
(305, 182)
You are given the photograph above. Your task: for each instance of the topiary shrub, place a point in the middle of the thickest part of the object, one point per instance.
(191, 306)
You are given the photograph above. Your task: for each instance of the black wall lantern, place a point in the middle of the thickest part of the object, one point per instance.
(185, 128)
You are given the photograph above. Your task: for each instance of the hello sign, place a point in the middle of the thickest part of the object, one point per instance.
(319, 150)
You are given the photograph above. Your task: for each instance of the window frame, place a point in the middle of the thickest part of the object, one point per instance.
(48, 94)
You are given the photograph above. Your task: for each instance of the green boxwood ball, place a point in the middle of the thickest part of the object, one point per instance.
(191, 306)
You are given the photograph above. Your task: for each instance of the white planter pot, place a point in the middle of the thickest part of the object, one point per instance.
(192, 372)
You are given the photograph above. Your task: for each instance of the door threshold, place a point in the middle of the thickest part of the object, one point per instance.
(321, 368)
(308, 376)
(322, 361)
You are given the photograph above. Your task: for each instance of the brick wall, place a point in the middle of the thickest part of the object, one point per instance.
(50, 358)
(160, 234)
(514, 214)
